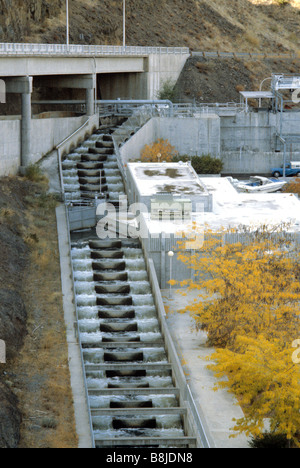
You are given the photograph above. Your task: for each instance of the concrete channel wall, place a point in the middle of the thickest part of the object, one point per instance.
(189, 136)
(78, 384)
(45, 135)
(195, 425)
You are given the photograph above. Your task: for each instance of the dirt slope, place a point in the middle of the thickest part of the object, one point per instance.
(35, 396)
(266, 26)
(225, 25)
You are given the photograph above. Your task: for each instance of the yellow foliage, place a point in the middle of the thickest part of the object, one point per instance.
(160, 150)
(249, 306)
(292, 187)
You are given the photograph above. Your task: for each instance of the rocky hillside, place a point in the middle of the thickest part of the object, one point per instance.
(35, 396)
(224, 25)
(265, 26)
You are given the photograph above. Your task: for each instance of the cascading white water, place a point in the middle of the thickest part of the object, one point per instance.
(117, 319)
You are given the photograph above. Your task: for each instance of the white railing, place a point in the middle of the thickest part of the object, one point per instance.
(85, 50)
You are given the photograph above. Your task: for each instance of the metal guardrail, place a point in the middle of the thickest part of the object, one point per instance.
(102, 50)
(59, 155)
(189, 109)
(127, 106)
(86, 50)
(166, 109)
(185, 391)
(247, 55)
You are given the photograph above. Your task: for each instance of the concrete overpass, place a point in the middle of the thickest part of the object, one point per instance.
(120, 71)
(102, 72)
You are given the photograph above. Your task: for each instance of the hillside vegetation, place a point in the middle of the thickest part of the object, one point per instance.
(224, 25)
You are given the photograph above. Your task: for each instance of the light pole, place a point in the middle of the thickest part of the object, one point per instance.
(67, 15)
(171, 255)
(124, 23)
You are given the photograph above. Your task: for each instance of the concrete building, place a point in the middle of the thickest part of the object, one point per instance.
(146, 181)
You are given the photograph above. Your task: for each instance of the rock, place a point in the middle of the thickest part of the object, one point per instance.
(10, 418)
(13, 318)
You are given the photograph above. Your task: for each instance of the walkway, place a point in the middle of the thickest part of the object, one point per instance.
(217, 408)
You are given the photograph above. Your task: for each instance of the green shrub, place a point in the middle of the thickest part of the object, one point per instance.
(181, 157)
(205, 164)
(34, 173)
(167, 91)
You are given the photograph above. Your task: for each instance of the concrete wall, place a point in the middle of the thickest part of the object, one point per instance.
(253, 132)
(256, 131)
(189, 136)
(162, 68)
(144, 83)
(10, 146)
(46, 134)
(248, 141)
(192, 135)
(68, 65)
(247, 162)
(122, 85)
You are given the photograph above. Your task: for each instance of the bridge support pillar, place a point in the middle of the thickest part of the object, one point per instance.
(90, 102)
(26, 131)
(23, 85)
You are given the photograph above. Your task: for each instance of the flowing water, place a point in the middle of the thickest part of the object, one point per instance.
(132, 397)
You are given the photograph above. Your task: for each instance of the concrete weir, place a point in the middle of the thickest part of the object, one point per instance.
(135, 393)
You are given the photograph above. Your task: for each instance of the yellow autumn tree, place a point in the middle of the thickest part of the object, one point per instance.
(160, 150)
(249, 306)
(261, 372)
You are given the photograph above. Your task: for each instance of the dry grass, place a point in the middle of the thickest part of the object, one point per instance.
(43, 379)
(7, 213)
(252, 40)
(265, 25)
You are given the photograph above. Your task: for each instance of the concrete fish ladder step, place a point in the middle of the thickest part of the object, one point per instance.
(139, 412)
(97, 158)
(115, 254)
(118, 442)
(115, 300)
(109, 265)
(143, 366)
(102, 151)
(93, 181)
(109, 244)
(135, 391)
(112, 288)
